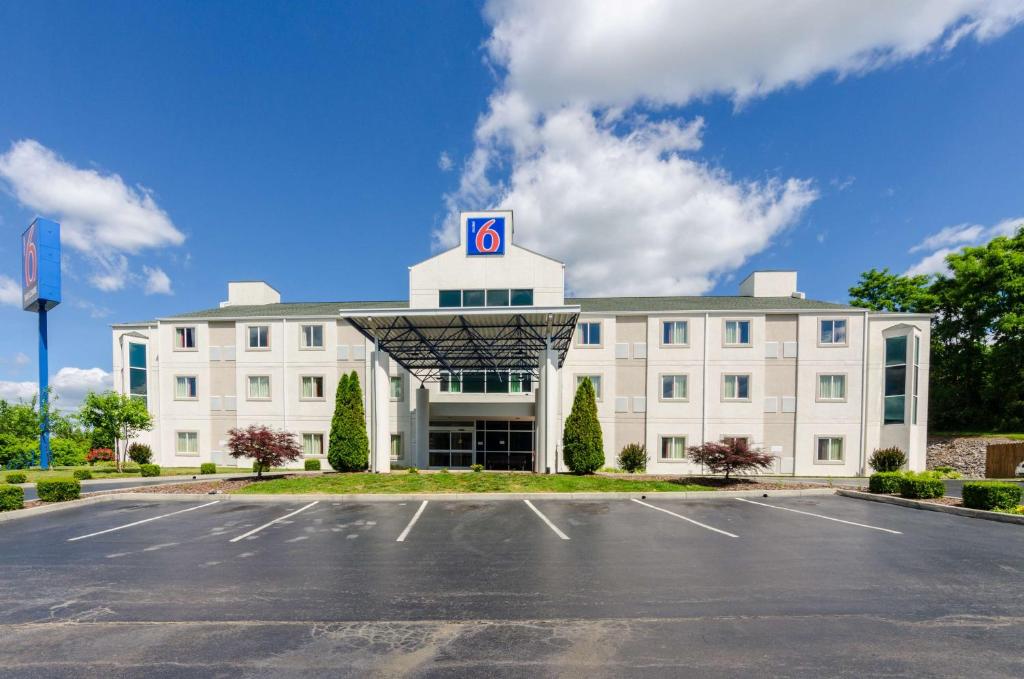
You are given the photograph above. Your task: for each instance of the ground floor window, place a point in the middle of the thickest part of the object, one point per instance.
(830, 449)
(736, 440)
(312, 445)
(736, 388)
(187, 443)
(673, 447)
(396, 446)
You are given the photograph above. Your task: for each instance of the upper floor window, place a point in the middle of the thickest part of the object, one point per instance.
(259, 336)
(396, 387)
(895, 380)
(737, 333)
(474, 298)
(312, 387)
(831, 387)
(489, 382)
(917, 375)
(594, 380)
(736, 387)
(137, 382)
(312, 336)
(590, 334)
(184, 338)
(522, 297)
(675, 332)
(495, 297)
(185, 387)
(832, 331)
(259, 388)
(449, 298)
(674, 387)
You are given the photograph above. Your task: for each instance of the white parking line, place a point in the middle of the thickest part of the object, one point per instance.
(546, 520)
(680, 516)
(271, 523)
(412, 522)
(820, 516)
(136, 523)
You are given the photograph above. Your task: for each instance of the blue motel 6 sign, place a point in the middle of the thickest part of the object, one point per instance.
(485, 236)
(40, 292)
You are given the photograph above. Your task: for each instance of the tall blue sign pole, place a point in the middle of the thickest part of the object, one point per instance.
(40, 292)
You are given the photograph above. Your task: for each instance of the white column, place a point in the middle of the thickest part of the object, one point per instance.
(422, 426)
(547, 412)
(380, 413)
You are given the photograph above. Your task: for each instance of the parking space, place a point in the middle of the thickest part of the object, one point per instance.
(431, 568)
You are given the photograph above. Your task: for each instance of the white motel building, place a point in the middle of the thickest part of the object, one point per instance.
(481, 362)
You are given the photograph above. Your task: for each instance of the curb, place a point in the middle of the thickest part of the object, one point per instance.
(933, 507)
(408, 497)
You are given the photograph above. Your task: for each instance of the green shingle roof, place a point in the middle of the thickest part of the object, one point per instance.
(586, 304)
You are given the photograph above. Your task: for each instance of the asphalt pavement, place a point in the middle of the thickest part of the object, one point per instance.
(802, 587)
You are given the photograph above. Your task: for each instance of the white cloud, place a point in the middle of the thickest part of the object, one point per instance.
(953, 239)
(69, 386)
(21, 358)
(579, 138)
(445, 162)
(157, 282)
(10, 291)
(100, 215)
(95, 310)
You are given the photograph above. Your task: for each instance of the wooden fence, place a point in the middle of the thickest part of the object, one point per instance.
(1001, 459)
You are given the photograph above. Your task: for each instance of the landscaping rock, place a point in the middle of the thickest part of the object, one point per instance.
(966, 455)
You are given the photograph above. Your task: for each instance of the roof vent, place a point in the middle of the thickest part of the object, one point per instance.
(247, 293)
(769, 284)
(798, 295)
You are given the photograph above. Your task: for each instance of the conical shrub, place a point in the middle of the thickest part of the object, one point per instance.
(582, 442)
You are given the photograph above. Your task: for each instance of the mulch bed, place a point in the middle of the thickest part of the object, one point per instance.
(719, 483)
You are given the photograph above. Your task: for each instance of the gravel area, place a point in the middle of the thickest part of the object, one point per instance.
(966, 455)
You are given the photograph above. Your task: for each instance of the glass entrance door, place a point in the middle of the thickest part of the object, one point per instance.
(504, 444)
(450, 445)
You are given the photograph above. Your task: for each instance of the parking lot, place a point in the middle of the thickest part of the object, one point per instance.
(813, 586)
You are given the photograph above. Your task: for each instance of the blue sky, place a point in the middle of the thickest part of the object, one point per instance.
(324, 148)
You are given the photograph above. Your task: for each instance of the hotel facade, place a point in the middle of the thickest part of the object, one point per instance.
(481, 362)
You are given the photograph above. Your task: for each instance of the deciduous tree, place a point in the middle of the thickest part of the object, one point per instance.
(730, 456)
(268, 447)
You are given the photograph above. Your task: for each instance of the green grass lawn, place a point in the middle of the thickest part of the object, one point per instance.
(37, 474)
(484, 482)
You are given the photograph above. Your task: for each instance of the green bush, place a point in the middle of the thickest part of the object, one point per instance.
(921, 486)
(82, 474)
(312, 465)
(476, 467)
(140, 453)
(888, 460)
(11, 497)
(17, 477)
(946, 473)
(66, 452)
(414, 470)
(18, 452)
(582, 442)
(885, 482)
(633, 458)
(149, 469)
(58, 490)
(992, 495)
(349, 445)
(207, 468)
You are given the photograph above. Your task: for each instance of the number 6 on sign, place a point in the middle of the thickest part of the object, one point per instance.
(485, 236)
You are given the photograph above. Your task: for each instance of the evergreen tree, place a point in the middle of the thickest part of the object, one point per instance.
(349, 447)
(582, 443)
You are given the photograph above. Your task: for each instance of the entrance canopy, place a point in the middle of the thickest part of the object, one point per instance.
(427, 342)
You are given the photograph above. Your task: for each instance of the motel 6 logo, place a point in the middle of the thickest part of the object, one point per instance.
(485, 236)
(30, 264)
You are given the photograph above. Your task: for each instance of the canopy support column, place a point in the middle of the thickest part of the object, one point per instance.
(546, 459)
(380, 412)
(422, 431)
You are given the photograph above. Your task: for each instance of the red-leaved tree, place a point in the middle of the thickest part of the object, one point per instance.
(269, 447)
(730, 456)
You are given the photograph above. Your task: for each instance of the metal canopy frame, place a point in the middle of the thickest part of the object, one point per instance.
(427, 342)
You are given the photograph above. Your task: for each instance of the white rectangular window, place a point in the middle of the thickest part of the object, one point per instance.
(590, 334)
(737, 333)
(917, 374)
(312, 336)
(736, 440)
(594, 380)
(184, 387)
(832, 387)
(185, 338)
(396, 387)
(259, 387)
(259, 336)
(832, 331)
(673, 447)
(674, 387)
(675, 332)
(312, 386)
(451, 383)
(736, 387)
(312, 445)
(895, 380)
(187, 443)
(396, 447)
(829, 449)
